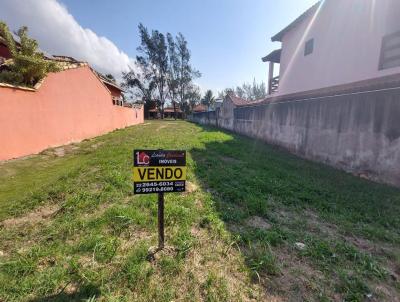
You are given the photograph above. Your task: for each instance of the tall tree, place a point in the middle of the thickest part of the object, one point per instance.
(259, 91)
(153, 62)
(226, 91)
(28, 65)
(249, 92)
(173, 72)
(140, 86)
(193, 96)
(187, 72)
(164, 69)
(181, 72)
(208, 99)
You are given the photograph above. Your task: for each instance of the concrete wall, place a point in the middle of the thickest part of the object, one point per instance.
(225, 114)
(359, 133)
(69, 106)
(222, 117)
(205, 118)
(347, 44)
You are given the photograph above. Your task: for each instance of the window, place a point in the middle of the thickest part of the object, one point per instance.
(309, 48)
(390, 51)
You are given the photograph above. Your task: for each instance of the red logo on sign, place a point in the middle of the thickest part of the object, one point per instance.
(142, 158)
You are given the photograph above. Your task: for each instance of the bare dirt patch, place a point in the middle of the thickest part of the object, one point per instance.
(210, 257)
(60, 151)
(296, 281)
(71, 288)
(37, 216)
(133, 237)
(258, 222)
(382, 292)
(316, 224)
(191, 187)
(99, 211)
(161, 127)
(96, 145)
(8, 172)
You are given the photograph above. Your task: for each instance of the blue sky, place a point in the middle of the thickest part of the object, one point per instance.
(227, 37)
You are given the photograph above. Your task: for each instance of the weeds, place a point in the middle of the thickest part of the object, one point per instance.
(94, 247)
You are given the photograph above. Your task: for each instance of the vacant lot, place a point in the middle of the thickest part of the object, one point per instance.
(257, 224)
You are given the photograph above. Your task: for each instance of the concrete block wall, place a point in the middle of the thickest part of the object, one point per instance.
(356, 132)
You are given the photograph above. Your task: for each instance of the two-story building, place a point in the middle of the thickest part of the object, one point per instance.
(334, 43)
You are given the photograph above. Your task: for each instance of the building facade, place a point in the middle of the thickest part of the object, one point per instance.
(67, 106)
(337, 42)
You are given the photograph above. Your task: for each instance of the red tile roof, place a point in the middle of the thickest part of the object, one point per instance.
(237, 100)
(171, 110)
(200, 108)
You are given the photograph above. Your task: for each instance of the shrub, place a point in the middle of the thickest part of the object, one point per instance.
(28, 66)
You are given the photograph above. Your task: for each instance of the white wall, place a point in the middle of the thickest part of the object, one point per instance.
(347, 43)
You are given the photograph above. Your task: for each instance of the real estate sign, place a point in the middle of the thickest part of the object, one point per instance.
(159, 171)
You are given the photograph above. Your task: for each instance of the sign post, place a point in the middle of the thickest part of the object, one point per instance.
(160, 221)
(159, 171)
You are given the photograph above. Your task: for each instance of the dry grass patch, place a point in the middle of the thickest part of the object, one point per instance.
(40, 215)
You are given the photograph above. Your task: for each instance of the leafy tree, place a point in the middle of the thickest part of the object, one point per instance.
(187, 72)
(249, 92)
(258, 91)
(164, 70)
(28, 65)
(208, 99)
(173, 72)
(140, 86)
(226, 91)
(193, 97)
(181, 73)
(153, 62)
(240, 91)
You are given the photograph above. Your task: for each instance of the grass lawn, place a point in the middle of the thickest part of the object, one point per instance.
(256, 224)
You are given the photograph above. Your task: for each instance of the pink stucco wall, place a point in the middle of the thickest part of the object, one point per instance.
(69, 106)
(347, 45)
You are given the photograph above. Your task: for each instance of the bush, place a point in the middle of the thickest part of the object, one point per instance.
(28, 66)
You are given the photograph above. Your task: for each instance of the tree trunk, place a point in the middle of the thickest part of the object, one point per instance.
(174, 111)
(162, 111)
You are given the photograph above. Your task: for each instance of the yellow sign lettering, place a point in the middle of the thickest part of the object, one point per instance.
(141, 174)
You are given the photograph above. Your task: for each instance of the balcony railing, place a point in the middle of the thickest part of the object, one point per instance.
(273, 85)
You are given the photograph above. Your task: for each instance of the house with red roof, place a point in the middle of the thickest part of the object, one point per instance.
(172, 111)
(225, 113)
(68, 106)
(200, 108)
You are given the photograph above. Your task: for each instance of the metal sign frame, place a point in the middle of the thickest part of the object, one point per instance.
(159, 171)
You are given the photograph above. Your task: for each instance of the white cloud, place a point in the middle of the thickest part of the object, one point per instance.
(59, 33)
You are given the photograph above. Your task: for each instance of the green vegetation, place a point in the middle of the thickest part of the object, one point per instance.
(209, 99)
(72, 230)
(249, 92)
(165, 72)
(28, 66)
